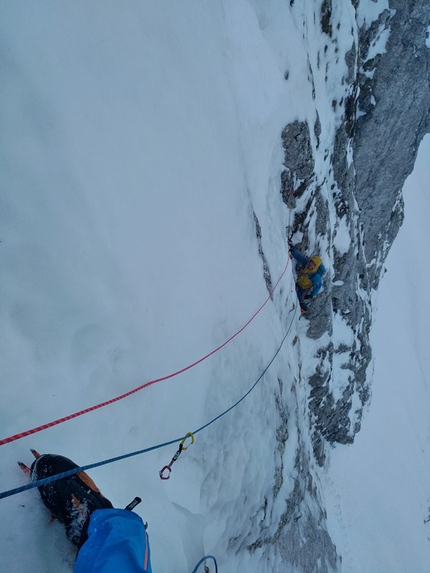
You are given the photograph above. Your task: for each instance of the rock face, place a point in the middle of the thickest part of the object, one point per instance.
(301, 539)
(387, 137)
(385, 116)
(344, 187)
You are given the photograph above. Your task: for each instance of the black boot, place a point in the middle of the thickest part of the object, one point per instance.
(71, 500)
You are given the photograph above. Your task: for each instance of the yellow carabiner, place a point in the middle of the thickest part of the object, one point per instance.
(189, 435)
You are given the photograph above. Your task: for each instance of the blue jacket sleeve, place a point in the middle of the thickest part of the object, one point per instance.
(298, 256)
(316, 283)
(117, 542)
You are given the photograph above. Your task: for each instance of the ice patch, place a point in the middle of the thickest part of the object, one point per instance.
(349, 154)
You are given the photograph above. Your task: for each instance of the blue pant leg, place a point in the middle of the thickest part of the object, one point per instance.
(117, 542)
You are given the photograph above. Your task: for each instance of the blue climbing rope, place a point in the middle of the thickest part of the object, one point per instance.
(203, 560)
(74, 471)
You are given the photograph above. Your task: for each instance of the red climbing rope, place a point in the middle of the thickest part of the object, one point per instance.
(113, 400)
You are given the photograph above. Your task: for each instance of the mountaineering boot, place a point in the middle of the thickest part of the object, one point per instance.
(72, 499)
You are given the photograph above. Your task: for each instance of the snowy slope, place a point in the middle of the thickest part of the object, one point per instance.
(129, 249)
(138, 144)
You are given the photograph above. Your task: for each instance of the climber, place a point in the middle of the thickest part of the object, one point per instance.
(309, 276)
(109, 539)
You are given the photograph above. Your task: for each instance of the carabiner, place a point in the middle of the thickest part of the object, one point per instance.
(161, 472)
(189, 435)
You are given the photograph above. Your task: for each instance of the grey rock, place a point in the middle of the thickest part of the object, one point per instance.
(301, 538)
(386, 139)
(326, 10)
(266, 269)
(298, 150)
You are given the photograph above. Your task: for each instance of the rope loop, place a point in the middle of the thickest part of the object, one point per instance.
(206, 568)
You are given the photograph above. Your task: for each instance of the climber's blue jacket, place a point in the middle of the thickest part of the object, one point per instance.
(117, 543)
(308, 280)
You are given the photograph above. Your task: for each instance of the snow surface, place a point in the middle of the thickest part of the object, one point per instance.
(137, 141)
(133, 137)
(378, 489)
